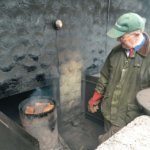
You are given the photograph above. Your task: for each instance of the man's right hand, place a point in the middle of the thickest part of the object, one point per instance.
(94, 101)
(94, 108)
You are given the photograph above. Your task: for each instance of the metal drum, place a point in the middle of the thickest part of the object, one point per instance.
(39, 118)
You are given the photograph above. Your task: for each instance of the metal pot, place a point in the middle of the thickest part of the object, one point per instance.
(41, 125)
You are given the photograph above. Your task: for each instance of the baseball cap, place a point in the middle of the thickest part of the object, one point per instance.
(128, 22)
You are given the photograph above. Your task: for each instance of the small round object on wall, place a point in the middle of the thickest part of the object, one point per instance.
(58, 24)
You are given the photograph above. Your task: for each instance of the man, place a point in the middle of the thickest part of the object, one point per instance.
(125, 72)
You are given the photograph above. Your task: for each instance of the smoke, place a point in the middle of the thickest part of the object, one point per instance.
(41, 91)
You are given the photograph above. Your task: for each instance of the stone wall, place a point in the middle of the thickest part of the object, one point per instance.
(81, 45)
(33, 53)
(28, 56)
(70, 84)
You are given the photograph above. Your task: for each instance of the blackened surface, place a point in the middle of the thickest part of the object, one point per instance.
(28, 57)
(10, 105)
(30, 44)
(27, 33)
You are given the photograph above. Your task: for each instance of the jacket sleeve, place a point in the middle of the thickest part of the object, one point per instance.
(106, 70)
(104, 77)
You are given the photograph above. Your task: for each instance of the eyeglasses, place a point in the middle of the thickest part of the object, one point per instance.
(126, 36)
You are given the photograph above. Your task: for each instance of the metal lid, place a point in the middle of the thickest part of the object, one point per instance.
(143, 98)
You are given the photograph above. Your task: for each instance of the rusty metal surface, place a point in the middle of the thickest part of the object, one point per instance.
(13, 137)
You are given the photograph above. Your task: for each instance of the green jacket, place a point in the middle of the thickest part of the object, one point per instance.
(120, 80)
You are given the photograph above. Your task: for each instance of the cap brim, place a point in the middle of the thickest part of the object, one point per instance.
(113, 33)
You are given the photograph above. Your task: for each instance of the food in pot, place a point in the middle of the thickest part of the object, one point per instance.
(38, 108)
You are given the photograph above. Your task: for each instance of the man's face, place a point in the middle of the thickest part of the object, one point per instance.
(129, 40)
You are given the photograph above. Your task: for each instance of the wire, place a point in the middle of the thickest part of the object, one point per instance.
(107, 22)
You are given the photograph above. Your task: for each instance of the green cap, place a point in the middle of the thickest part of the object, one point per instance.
(128, 22)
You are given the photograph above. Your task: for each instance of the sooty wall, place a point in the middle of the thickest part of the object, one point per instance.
(33, 53)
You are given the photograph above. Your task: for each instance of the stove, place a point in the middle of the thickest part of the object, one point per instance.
(88, 86)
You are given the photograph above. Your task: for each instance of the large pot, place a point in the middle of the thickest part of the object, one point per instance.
(40, 124)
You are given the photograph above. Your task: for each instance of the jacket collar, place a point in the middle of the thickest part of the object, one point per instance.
(144, 50)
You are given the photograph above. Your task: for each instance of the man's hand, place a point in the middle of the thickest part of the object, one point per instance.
(94, 101)
(94, 108)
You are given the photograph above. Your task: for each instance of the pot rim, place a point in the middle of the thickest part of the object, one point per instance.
(31, 100)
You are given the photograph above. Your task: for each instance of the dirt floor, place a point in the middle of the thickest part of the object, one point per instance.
(81, 133)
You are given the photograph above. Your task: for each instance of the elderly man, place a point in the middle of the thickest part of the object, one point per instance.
(125, 72)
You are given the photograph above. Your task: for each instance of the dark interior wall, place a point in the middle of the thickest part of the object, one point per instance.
(30, 45)
(33, 53)
(28, 56)
(84, 30)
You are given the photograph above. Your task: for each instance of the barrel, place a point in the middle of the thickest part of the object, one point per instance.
(38, 116)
